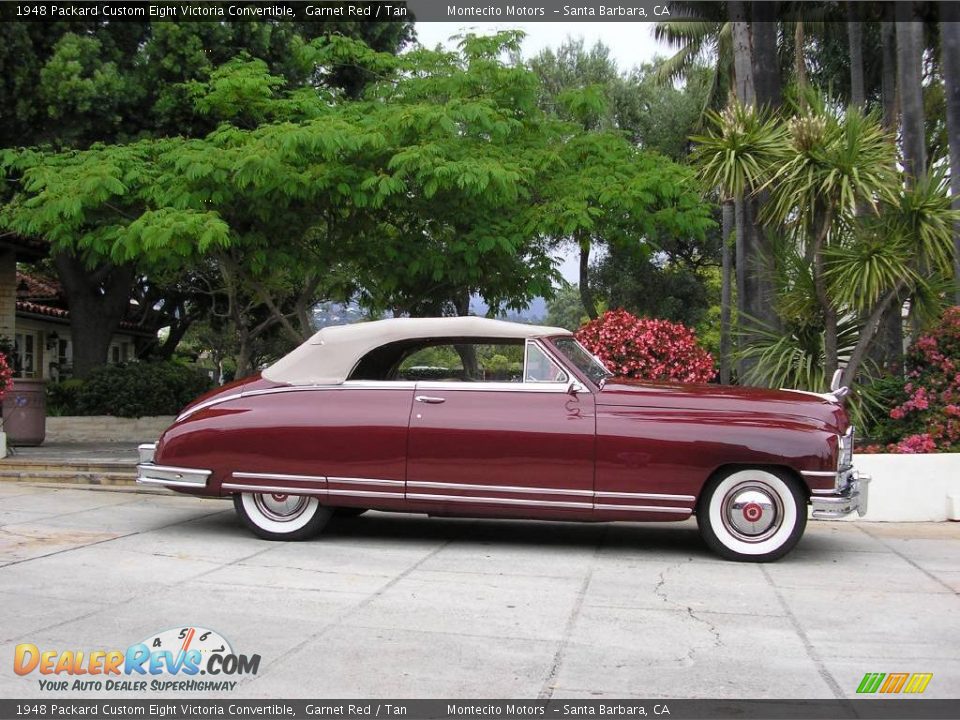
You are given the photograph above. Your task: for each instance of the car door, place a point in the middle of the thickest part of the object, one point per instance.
(522, 448)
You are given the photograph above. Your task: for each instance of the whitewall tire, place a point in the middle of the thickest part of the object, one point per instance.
(752, 515)
(275, 516)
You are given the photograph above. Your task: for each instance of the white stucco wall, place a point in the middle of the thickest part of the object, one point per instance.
(911, 488)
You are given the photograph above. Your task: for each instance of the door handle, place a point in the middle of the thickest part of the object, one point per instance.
(430, 399)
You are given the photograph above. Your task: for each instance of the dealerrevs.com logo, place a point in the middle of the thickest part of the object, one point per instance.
(171, 660)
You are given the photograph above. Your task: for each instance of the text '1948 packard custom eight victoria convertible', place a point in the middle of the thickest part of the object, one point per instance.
(483, 418)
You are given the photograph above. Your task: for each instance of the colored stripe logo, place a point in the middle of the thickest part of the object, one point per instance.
(892, 683)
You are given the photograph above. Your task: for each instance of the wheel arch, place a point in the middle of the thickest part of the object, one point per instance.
(727, 468)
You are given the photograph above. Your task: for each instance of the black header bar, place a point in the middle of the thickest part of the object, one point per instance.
(186, 708)
(472, 11)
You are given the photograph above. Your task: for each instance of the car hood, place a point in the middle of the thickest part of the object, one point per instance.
(724, 398)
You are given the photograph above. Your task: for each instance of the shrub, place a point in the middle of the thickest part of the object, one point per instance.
(138, 389)
(925, 416)
(648, 349)
(6, 375)
(63, 398)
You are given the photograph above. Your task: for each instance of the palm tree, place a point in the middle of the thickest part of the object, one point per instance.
(910, 89)
(858, 93)
(843, 267)
(950, 64)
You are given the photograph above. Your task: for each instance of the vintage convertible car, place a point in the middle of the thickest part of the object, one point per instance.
(483, 418)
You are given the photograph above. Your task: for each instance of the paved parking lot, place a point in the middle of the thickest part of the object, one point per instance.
(405, 606)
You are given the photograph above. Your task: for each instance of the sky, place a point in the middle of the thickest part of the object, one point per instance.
(630, 43)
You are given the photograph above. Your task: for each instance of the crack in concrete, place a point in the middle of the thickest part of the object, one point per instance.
(907, 560)
(661, 593)
(339, 619)
(126, 600)
(549, 683)
(802, 634)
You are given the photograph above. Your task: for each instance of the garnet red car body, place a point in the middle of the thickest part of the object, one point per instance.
(340, 426)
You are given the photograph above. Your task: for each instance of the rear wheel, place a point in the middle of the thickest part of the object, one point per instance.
(275, 516)
(752, 515)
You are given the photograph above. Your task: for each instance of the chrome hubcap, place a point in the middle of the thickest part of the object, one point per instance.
(281, 508)
(752, 512)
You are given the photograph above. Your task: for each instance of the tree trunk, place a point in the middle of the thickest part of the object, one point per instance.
(909, 79)
(586, 294)
(98, 300)
(858, 94)
(725, 280)
(741, 221)
(165, 350)
(765, 61)
(742, 53)
(799, 62)
(887, 348)
(950, 65)
(888, 73)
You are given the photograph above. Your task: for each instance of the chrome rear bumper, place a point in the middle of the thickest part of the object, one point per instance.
(149, 473)
(851, 496)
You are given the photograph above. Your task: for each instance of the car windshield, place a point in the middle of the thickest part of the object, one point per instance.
(582, 360)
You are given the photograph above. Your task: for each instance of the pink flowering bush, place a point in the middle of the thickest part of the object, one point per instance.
(649, 349)
(925, 416)
(6, 376)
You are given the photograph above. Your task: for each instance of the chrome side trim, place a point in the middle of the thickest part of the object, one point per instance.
(644, 508)
(366, 493)
(364, 481)
(385, 385)
(141, 480)
(521, 387)
(646, 496)
(207, 403)
(498, 488)
(498, 501)
(150, 474)
(279, 476)
(819, 473)
(272, 489)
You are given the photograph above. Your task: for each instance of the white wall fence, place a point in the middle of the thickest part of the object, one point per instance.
(911, 488)
(105, 429)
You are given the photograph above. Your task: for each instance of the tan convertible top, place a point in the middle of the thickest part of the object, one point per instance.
(330, 355)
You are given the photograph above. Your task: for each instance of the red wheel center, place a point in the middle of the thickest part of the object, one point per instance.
(752, 512)
(279, 498)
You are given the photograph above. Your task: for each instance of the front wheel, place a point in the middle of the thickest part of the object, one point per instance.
(275, 516)
(752, 515)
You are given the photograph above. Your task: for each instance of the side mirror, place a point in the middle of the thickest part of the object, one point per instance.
(574, 387)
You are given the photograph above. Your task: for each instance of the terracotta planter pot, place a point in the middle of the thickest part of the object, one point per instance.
(25, 412)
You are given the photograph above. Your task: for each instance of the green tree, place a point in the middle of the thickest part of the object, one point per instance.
(565, 308)
(76, 84)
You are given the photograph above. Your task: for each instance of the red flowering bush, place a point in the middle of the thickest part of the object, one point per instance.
(636, 347)
(926, 414)
(6, 376)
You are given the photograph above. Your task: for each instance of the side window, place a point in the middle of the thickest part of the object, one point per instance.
(464, 362)
(540, 368)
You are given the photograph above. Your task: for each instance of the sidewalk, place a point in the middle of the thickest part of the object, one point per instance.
(75, 453)
(94, 463)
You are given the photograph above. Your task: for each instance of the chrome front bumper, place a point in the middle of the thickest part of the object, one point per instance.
(149, 473)
(851, 495)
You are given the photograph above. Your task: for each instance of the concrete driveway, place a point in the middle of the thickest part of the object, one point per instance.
(405, 606)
